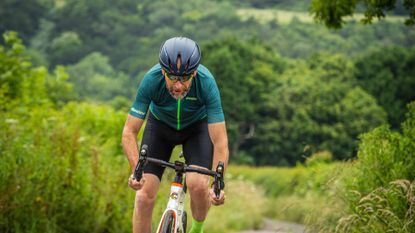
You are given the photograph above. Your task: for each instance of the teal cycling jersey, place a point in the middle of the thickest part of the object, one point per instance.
(202, 101)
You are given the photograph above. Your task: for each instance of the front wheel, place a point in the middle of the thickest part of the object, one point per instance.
(169, 221)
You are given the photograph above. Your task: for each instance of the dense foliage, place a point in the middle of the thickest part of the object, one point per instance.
(332, 14)
(130, 32)
(250, 69)
(389, 75)
(260, 70)
(51, 153)
(294, 108)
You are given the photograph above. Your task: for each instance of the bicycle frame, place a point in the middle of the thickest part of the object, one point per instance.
(175, 204)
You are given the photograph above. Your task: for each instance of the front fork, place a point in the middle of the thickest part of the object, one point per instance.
(176, 204)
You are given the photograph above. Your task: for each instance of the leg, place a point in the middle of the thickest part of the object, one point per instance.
(144, 204)
(158, 147)
(198, 186)
(198, 150)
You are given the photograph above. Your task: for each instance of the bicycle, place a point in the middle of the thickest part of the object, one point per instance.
(174, 218)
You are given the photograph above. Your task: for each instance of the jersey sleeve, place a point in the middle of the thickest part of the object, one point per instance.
(143, 98)
(213, 104)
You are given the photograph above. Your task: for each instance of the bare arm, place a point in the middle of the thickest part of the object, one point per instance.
(129, 139)
(219, 137)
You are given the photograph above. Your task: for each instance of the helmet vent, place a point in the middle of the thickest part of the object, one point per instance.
(187, 66)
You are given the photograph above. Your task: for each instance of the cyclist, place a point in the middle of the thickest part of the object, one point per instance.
(185, 108)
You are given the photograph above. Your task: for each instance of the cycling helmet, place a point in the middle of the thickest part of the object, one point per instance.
(179, 47)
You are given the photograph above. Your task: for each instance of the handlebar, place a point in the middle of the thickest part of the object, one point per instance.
(180, 167)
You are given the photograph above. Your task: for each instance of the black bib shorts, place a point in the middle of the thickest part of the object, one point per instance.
(161, 139)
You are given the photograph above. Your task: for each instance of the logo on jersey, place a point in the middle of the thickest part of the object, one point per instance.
(138, 111)
(191, 98)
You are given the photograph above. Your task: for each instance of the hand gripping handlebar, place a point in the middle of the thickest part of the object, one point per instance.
(218, 183)
(142, 160)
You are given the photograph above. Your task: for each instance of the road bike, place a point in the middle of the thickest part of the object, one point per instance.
(174, 218)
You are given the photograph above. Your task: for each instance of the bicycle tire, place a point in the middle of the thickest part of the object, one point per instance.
(184, 221)
(168, 222)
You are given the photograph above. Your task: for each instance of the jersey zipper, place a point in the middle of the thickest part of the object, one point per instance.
(178, 114)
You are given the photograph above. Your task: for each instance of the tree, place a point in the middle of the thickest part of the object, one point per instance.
(95, 79)
(331, 13)
(388, 75)
(244, 72)
(23, 85)
(65, 49)
(21, 16)
(14, 67)
(314, 107)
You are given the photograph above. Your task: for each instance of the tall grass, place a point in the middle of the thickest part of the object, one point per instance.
(59, 171)
(385, 209)
(244, 209)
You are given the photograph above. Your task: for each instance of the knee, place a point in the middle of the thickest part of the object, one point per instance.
(198, 186)
(144, 200)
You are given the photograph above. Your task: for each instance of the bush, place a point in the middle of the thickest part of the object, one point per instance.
(318, 158)
(385, 156)
(57, 166)
(54, 172)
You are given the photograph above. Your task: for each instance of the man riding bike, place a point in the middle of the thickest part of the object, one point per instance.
(185, 108)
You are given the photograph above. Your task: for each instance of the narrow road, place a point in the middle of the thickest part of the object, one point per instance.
(274, 226)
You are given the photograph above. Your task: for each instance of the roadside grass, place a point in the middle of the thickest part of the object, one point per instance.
(244, 209)
(306, 194)
(314, 211)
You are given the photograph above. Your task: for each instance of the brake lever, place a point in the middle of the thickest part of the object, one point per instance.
(219, 184)
(142, 160)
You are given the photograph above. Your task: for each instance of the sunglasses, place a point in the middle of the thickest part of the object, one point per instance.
(182, 79)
